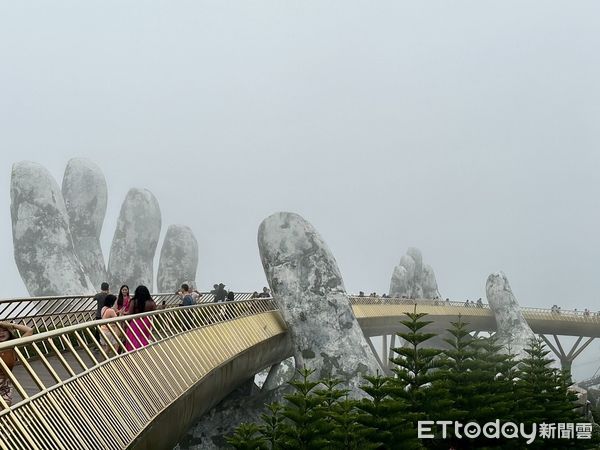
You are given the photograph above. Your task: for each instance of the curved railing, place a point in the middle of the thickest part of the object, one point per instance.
(379, 315)
(70, 389)
(73, 392)
(47, 313)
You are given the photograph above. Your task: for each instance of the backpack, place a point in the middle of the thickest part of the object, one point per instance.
(188, 300)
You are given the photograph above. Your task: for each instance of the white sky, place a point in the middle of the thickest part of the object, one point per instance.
(467, 129)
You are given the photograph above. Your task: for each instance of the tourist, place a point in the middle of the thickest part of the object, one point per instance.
(586, 312)
(9, 356)
(254, 295)
(467, 303)
(230, 296)
(196, 294)
(220, 293)
(361, 294)
(123, 300)
(214, 291)
(99, 298)
(138, 332)
(106, 337)
(266, 293)
(479, 303)
(187, 299)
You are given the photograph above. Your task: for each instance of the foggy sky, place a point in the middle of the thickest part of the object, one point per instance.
(466, 129)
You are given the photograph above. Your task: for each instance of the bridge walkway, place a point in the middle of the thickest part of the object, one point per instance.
(71, 393)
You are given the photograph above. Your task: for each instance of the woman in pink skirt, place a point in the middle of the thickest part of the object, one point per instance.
(138, 332)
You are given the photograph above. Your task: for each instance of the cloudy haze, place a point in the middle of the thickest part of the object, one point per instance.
(467, 129)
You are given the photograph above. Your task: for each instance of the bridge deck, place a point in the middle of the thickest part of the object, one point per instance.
(382, 316)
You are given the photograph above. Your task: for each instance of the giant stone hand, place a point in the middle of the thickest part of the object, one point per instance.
(56, 235)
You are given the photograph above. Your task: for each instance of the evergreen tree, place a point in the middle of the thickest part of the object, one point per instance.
(271, 429)
(305, 427)
(479, 383)
(247, 437)
(384, 418)
(417, 375)
(543, 396)
(345, 432)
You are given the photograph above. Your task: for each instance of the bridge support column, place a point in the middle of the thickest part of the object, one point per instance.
(384, 367)
(566, 359)
(392, 345)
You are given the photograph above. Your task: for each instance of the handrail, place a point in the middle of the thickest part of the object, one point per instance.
(165, 351)
(44, 313)
(358, 300)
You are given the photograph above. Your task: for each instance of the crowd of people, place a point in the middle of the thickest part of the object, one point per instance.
(586, 312)
(108, 306)
(266, 293)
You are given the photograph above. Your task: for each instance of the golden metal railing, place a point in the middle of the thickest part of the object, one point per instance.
(74, 391)
(482, 309)
(48, 313)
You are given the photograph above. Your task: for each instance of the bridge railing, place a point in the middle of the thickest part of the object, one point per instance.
(48, 313)
(527, 311)
(67, 378)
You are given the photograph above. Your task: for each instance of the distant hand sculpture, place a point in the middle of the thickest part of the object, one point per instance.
(56, 234)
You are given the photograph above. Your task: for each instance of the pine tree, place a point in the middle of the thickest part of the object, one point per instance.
(247, 437)
(271, 429)
(345, 432)
(417, 375)
(543, 396)
(384, 417)
(305, 427)
(478, 389)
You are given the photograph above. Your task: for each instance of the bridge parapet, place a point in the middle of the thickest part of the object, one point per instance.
(481, 317)
(70, 389)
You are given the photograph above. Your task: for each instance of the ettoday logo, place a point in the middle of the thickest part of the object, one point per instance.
(506, 430)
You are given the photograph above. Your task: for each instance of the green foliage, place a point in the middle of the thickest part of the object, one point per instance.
(470, 381)
(417, 373)
(542, 394)
(247, 437)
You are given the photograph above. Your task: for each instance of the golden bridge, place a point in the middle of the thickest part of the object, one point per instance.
(72, 393)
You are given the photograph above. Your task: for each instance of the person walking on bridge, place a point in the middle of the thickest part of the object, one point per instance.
(99, 298)
(9, 356)
(221, 293)
(139, 331)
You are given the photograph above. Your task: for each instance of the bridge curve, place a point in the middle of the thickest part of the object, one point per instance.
(197, 356)
(380, 316)
(71, 390)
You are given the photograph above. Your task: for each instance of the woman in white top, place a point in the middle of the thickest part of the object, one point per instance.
(106, 337)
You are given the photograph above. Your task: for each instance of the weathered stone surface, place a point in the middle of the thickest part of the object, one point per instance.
(308, 287)
(278, 375)
(513, 331)
(178, 258)
(221, 421)
(417, 257)
(399, 286)
(85, 193)
(42, 242)
(413, 279)
(429, 283)
(134, 243)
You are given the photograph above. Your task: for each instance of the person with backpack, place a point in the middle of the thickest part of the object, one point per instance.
(187, 297)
